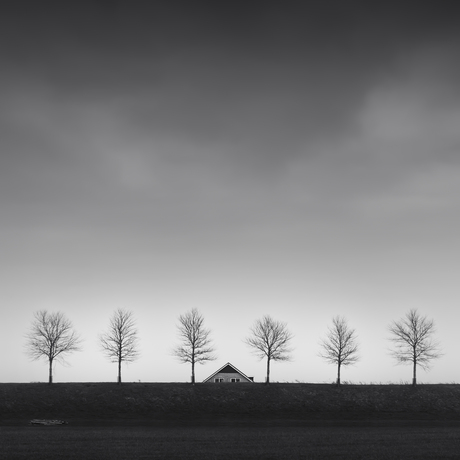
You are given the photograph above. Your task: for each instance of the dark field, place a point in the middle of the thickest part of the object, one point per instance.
(134, 421)
(232, 442)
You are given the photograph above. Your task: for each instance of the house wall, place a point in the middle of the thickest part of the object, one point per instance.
(227, 377)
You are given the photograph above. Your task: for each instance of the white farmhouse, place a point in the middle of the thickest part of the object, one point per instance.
(228, 374)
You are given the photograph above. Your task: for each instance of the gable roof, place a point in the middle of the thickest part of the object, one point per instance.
(228, 369)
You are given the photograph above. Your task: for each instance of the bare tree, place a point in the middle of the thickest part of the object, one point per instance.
(270, 339)
(196, 347)
(120, 341)
(51, 337)
(412, 336)
(340, 346)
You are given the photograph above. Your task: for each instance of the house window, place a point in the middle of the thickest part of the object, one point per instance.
(235, 380)
(218, 380)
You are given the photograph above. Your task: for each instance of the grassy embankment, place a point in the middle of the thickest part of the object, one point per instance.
(283, 403)
(181, 421)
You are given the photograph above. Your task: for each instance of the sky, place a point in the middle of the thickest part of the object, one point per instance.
(295, 159)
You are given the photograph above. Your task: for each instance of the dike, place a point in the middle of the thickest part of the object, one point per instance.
(158, 403)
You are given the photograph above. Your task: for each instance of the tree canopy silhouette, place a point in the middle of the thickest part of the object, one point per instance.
(340, 346)
(270, 339)
(412, 338)
(120, 341)
(196, 346)
(51, 337)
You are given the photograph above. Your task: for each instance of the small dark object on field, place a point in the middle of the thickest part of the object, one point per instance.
(37, 421)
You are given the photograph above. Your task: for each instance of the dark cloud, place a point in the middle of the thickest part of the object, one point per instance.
(281, 74)
(239, 92)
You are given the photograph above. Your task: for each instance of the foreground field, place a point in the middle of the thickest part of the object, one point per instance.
(247, 421)
(279, 443)
(158, 403)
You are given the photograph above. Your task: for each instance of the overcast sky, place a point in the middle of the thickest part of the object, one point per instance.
(297, 159)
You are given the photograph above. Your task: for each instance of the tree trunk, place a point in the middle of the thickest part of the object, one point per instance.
(119, 371)
(414, 374)
(338, 374)
(267, 381)
(193, 372)
(50, 378)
